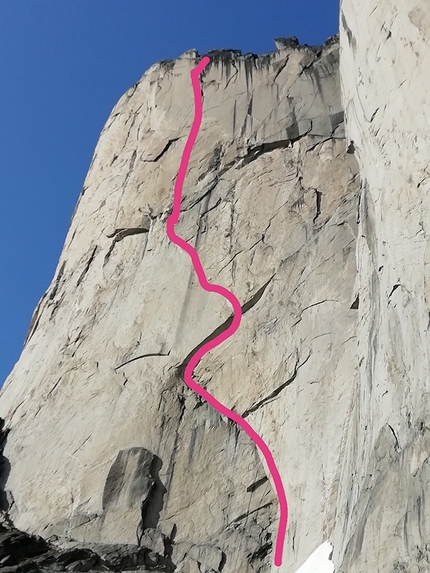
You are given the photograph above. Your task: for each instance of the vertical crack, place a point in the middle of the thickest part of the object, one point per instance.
(318, 196)
(172, 461)
(87, 266)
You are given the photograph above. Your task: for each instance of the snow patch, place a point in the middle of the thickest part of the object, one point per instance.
(319, 561)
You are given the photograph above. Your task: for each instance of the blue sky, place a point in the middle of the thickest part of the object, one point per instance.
(63, 66)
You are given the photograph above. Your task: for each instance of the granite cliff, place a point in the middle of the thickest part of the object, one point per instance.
(318, 225)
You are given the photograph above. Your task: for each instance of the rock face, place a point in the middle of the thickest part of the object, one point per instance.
(21, 552)
(324, 241)
(385, 91)
(323, 238)
(106, 444)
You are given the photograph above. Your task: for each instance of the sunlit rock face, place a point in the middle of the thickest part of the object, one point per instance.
(105, 443)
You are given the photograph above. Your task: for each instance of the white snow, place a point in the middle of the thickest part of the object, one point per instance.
(319, 561)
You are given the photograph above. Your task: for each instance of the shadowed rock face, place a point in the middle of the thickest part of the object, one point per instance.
(106, 445)
(21, 552)
(4, 467)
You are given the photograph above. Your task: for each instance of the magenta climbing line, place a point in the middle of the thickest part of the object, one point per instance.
(237, 316)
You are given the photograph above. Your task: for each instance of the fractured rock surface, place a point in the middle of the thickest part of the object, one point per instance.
(22, 552)
(105, 444)
(385, 51)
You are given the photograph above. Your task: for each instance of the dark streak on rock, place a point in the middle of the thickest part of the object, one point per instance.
(257, 484)
(318, 196)
(248, 513)
(57, 281)
(87, 266)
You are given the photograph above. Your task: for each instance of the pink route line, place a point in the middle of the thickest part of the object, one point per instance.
(171, 222)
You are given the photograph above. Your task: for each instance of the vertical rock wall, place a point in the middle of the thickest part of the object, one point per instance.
(384, 74)
(105, 443)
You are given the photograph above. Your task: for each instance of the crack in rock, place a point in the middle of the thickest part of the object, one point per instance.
(254, 152)
(119, 234)
(257, 484)
(87, 266)
(245, 307)
(140, 357)
(162, 152)
(278, 390)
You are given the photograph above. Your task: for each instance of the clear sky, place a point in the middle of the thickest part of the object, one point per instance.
(63, 66)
